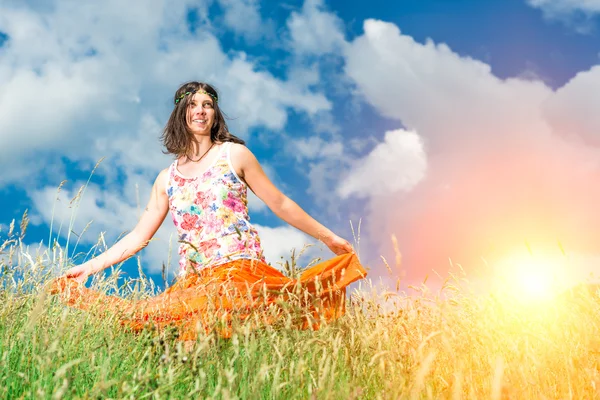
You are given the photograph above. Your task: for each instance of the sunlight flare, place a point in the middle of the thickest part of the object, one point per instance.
(532, 278)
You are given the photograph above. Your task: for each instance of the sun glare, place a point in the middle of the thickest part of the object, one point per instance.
(532, 278)
(534, 283)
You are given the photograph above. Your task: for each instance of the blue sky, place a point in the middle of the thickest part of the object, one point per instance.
(428, 120)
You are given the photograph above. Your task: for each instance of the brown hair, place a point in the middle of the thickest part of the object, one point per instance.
(177, 137)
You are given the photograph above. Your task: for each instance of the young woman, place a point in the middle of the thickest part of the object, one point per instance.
(205, 190)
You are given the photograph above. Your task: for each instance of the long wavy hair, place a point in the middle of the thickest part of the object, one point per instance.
(177, 137)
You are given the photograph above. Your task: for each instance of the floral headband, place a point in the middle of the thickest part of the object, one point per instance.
(178, 99)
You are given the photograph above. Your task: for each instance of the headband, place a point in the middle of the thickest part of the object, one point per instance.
(179, 98)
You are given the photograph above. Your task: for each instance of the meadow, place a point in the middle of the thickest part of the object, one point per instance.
(443, 344)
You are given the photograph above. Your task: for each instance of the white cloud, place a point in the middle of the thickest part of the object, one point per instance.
(411, 82)
(566, 6)
(322, 161)
(278, 243)
(257, 90)
(40, 112)
(577, 14)
(102, 212)
(507, 160)
(254, 203)
(108, 211)
(315, 148)
(243, 17)
(137, 154)
(397, 164)
(305, 73)
(573, 109)
(315, 31)
(316, 40)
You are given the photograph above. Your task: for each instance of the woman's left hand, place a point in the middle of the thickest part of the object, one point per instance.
(338, 245)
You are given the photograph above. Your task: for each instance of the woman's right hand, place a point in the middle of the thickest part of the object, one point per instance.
(79, 273)
(338, 245)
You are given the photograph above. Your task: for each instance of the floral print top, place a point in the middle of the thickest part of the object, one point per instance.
(210, 213)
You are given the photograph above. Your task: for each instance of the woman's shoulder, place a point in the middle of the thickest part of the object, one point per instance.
(162, 179)
(174, 162)
(164, 172)
(238, 149)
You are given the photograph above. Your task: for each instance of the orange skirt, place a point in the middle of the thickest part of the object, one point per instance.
(244, 292)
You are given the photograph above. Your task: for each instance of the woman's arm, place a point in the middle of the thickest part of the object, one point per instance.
(137, 239)
(249, 169)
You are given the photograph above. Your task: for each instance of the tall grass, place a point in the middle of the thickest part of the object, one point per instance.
(449, 345)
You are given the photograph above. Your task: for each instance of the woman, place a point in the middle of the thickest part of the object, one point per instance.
(205, 190)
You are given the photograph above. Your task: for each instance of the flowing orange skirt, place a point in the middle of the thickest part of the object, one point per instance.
(248, 293)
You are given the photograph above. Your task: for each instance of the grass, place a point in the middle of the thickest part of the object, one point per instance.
(446, 345)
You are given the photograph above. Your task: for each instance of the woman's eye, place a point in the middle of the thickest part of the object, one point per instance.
(208, 105)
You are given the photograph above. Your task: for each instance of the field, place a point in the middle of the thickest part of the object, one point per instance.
(449, 344)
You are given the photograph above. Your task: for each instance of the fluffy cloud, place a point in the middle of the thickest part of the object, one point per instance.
(397, 164)
(323, 161)
(315, 148)
(424, 80)
(243, 17)
(279, 242)
(254, 203)
(553, 7)
(70, 210)
(315, 31)
(86, 216)
(576, 13)
(572, 110)
(508, 161)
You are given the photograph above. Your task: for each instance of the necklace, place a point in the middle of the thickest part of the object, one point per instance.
(201, 157)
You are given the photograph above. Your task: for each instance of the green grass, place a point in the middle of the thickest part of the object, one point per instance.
(454, 346)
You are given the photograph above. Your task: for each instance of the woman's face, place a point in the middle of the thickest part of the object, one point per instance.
(200, 114)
